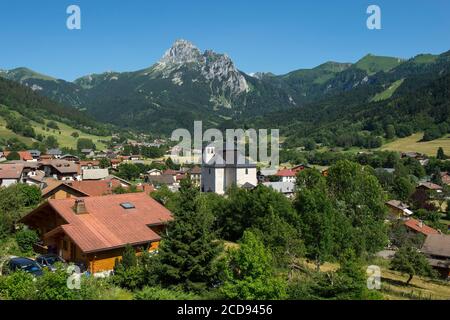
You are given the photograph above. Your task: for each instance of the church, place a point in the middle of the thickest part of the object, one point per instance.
(223, 167)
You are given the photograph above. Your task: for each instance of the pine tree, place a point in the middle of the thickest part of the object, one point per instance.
(440, 154)
(187, 253)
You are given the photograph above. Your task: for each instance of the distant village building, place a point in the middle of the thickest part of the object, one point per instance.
(286, 188)
(419, 227)
(224, 168)
(287, 175)
(437, 249)
(54, 153)
(398, 210)
(10, 174)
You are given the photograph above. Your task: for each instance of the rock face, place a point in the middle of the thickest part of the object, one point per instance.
(212, 67)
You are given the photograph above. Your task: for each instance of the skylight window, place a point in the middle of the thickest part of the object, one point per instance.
(127, 205)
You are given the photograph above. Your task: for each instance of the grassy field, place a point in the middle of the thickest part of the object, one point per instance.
(393, 284)
(412, 143)
(386, 94)
(65, 139)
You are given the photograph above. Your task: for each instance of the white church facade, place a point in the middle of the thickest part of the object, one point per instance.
(226, 167)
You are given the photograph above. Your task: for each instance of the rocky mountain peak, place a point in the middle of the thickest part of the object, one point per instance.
(182, 51)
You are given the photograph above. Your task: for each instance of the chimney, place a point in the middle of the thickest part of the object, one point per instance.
(420, 224)
(80, 207)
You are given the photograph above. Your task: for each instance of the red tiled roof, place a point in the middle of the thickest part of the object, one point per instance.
(95, 187)
(11, 171)
(24, 155)
(107, 224)
(285, 173)
(420, 227)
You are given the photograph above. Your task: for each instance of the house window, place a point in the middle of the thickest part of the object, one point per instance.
(209, 171)
(246, 170)
(64, 245)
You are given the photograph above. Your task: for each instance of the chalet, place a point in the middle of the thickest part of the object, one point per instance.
(55, 189)
(89, 164)
(286, 175)
(61, 169)
(115, 163)
(54, 153)
(10, 174)
(418, 227)
(225, 167)
(70, 157)
(286, 188)
(89, 153)
(398, 209)
(163, 180)
(154, 172)
(437, 249)
(429, 186)
(36, 178)
(94, 230)
(36, 154)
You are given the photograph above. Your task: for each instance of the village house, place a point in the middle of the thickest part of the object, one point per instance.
(398, 210)
(56, 189)
(437, 249)
(95, 230)
(36, 154)
(89, 164)
(10, 173)
(54, 153)
(430, 186)
(61, 169)
(224, 168)
(154, 172)
(286, 175)
(88, 153)
(286, 188)
(35, 178)
(418, 227)
(196, 175)
(70, 157)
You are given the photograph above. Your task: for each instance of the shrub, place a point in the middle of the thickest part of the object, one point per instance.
(18, 286)
(26, 238)
(158, 293)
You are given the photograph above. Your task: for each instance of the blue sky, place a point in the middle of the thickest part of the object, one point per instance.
(277, 36)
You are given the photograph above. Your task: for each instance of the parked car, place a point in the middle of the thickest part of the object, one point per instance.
(49, 261)
(24, 264)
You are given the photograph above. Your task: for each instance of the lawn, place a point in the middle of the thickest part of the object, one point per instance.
(412, 143)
